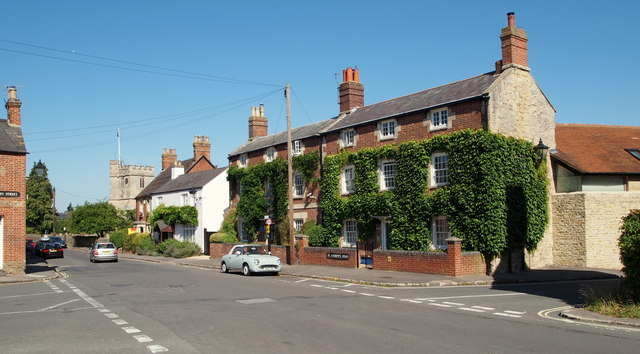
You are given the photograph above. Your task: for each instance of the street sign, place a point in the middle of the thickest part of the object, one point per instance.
(10, 194)
(268, 222)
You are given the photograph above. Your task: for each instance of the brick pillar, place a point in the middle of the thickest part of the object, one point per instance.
(514, 43)
(169, 157)
(454, 259)
(13, 107)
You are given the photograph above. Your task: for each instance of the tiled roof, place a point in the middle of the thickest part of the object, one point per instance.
(11, 139)
(190, 180)
(598, 148)
(433, 97)
(281, 138)
(162, 178)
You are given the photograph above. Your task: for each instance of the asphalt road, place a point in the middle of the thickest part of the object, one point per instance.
(141, 307)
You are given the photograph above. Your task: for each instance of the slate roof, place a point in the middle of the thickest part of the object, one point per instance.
(162, 178)
(598, 149)
(281, 138)
(190, 180)
(11, 139)
(433, 97)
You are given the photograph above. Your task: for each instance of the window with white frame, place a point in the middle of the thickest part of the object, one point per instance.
(388, 171)
(348, 137)
(298, 185)
(440, 232)
(388, 129)
(440, 119)
(297, 224)
(297, 147)
(242, 160)
(160, 201)
(270, 154)
(349, 233)
(439, 168)
(348, 177)
(184, 199)
(188, 233)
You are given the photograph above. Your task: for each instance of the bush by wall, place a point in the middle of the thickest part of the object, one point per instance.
(177, 249)
(145, 245)
(127, 242)
(117, 237)
(221, 237)
(162, 246)
(629, 243)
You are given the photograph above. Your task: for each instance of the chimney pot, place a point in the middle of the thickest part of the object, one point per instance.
(351, 91)
(258, 123)
(511, 19)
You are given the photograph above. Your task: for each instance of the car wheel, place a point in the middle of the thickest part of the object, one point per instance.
(276, 273)
(245, 269)
(223, 267)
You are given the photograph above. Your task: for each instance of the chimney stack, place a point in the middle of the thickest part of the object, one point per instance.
(201, 147)
(177, 170)
(258, 123)
(514, 43)
(169, 158)
(13, 107)
(351, 90)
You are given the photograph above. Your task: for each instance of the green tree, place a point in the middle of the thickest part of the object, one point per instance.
(70, 207)
(172, 215)
(98, 218)
(39, 202)
(629, 243)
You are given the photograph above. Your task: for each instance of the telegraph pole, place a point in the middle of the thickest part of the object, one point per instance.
(292, 238)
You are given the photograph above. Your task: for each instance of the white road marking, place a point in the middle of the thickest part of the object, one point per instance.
(412, 301)
(131, 330)
(36, 294)
(317, 286)
(104, 310)
(422, 299)
(330, 288)
(120, 322)
(111, 315)
(84, 296)
(143, 338)
(387, 297)
(453, 303)
(366, 294)
(472, 296)
(255, 301)
(515, 312)
(440, 305)
(54, 306)
(157, 348)
(470, 309)
(302, 280)
(483, 308)
(506, 314)
(348, 291)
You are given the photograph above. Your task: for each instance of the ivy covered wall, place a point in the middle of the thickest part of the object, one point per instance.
(496, 196)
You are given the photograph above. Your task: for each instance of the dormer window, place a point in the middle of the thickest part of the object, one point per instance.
(297, 147)
(348, 137)
(270, 154)
(242, 160)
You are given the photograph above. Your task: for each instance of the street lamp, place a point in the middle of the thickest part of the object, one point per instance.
(40, 169)
(541, 150)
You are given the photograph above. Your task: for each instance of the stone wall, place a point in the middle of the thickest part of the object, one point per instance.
(587, 227)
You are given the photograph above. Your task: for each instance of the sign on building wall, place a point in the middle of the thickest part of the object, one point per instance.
(10, 194)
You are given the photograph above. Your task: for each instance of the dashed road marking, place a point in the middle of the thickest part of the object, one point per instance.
(453, 303)
(120, 322)
(470, 309)
(348, 291)
(131, 330)
(255, 301)
(104, 310)
(143, 338)
(317, 286)
(439, 305)
(506, 314)
(366, 294)
(483, 308)
(330, 288)
(302, 280)
(515, 312)
(157, 348)
(111, 315)
(386, 297)
(412, 301)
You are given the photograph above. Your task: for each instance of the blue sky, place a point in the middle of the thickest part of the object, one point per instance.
(225, 57)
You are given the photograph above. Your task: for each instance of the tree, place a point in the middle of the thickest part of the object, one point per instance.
(39, 202)
(629, 243)
(70, 207)
(172, 215)
(98, 218)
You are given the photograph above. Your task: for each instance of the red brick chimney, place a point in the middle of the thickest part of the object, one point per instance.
(169, 157)
(201, 147)
(514, 43)
(258, 124)
(351, 90)
(13, 107)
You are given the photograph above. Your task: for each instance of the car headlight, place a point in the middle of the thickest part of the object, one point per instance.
(256, 261)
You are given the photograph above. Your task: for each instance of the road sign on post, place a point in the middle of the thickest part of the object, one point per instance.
(268, 222)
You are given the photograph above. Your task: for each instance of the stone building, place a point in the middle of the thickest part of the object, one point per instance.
(126, 181)
(13, 193)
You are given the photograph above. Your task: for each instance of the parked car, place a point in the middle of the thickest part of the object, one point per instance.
(31, 246)
(250, 259)
(59, 240)
(103, 251)
(51, 250)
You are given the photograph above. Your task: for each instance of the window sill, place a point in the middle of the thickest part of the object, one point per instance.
(383, 138)
(438, 128)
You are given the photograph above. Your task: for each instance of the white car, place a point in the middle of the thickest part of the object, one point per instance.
(250, 259)
(103, 251)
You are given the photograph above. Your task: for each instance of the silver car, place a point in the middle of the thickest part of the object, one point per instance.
(103, 251)
(250, 259)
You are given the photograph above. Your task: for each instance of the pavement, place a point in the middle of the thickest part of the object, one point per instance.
(39, 270)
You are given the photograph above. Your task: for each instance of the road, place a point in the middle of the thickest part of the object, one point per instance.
(141, 307)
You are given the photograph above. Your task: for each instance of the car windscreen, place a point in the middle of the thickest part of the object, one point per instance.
(106, 245)
(253, 250)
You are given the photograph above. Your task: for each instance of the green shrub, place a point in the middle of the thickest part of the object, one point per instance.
(117, 237)
(315, 232)
(222, 237)
(137, 239)
(629, 243)
(185, 249)
(229, 224)
(127, 242)
(165, 246)
(144, 244)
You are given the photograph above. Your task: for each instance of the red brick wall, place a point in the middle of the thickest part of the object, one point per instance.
(428, 262)
(318, 256)
(13, 211)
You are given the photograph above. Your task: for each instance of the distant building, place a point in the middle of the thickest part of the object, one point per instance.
(126, 182)
(13, 189)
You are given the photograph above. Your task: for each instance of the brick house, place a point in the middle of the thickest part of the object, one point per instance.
(13, 193)
(195, 182)
(506, 101)
(596, 171)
